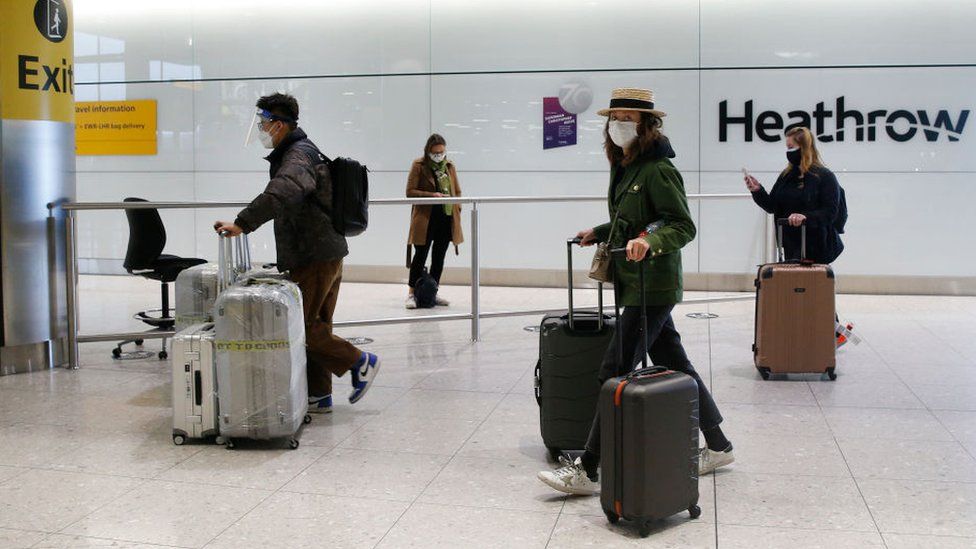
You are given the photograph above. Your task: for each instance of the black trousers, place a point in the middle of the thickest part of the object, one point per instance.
(439, 235)
(664, 348)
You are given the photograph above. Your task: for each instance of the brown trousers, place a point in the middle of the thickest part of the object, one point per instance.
(327, 353)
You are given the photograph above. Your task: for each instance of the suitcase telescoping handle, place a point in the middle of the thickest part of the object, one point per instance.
(620, 254)
(569, 285)
(233, 259)
(780, 247)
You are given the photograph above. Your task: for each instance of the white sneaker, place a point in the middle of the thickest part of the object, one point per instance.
(411, 302)
(440, 301)
(571, 479)
(709, 460)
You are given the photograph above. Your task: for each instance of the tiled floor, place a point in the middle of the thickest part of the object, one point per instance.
(444, 451)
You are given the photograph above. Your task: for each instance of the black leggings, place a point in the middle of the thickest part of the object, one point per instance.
(439, 236)
(665, 350)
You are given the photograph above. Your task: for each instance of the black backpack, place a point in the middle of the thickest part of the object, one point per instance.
(841, 220)
(425, 291)
(350, 196)
(350, 191)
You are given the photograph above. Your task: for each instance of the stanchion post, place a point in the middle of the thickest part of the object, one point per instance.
(71, 275)
(475, 276)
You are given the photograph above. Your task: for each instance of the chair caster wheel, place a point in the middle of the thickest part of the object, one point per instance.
(117, 352)
(163, 355)
(293, 443)
(694, 511)
(139, 342)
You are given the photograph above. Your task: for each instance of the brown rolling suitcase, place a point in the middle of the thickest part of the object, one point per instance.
(795, 317)
(649, 442)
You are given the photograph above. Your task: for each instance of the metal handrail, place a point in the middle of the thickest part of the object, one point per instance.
(475, 316)
(88, 206)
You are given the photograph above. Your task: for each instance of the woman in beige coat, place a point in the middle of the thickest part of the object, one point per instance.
(432, 226)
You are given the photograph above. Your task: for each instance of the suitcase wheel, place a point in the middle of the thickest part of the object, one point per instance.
(163, 355)
(831, 374)
(229, 444)
(644, 529)
(764, 372)
(307, 419)
(293, 443)
(694, 511)
(612, 517)
(179, 440)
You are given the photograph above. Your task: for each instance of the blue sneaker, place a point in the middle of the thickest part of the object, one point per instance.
(320, 405)
(362, 376)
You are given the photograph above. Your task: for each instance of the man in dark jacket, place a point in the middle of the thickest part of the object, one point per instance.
(299, 200)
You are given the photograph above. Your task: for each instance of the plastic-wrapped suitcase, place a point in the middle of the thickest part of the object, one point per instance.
(648, 441)
(795, 316)
(196, 291)
(571, 349)
(260, 344)
(194, 388)
(197, 287)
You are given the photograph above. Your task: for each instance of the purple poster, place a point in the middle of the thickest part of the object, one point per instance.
(558, 126)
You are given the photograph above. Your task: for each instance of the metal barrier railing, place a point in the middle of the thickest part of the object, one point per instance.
(475, 316)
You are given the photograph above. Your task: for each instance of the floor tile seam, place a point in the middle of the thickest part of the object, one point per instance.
(857, 485)
(104, 505)
(51, 469)
(240, 518)
(553, 513)
(931, 412)
(932, 536)
(555, 523)
(103, 538)
(711, 385)
(444, 466)
(843, 530)
(944, 341)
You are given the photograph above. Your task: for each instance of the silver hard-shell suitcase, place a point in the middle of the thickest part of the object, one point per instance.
(194, 389)
(196, 291)
(260, 346)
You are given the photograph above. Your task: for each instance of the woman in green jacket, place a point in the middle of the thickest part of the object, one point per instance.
(649, 216)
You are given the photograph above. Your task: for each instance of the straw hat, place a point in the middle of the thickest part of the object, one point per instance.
(631, 99)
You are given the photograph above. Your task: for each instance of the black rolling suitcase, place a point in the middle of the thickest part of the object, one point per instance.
(567, 386)
(649, 442)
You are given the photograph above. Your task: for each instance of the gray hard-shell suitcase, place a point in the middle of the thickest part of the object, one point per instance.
(262, 388)
(194, 387)
(567, 385)
(196, 291)
(649, 442)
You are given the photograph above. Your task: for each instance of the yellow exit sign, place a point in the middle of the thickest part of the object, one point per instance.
(115, 127)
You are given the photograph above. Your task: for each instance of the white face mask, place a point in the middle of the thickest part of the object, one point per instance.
(437, 157)
(266, 139)
(622, 133)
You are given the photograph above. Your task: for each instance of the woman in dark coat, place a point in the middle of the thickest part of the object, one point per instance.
(805, 193)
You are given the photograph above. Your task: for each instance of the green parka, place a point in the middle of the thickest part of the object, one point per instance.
(651, 189)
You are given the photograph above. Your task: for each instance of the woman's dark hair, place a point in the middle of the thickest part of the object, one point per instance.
(648, 134)
(432, 141)
(283, 105)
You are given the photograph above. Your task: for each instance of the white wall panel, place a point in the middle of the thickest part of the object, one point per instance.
(507, 35)
(730, 231)
(919, 93)
(118, 40)
(105, 234)
(382, 122)
(836, 32)
(494, 122)
(242, 39)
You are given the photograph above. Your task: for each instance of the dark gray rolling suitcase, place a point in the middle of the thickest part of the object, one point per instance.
(649, 442)
(567, 386)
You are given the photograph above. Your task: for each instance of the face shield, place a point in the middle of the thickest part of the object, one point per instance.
(261, 118)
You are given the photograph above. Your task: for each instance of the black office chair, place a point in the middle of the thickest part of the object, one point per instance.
(144, 257)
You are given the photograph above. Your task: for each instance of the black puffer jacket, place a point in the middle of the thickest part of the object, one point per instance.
(815, 195)
(299, 199)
